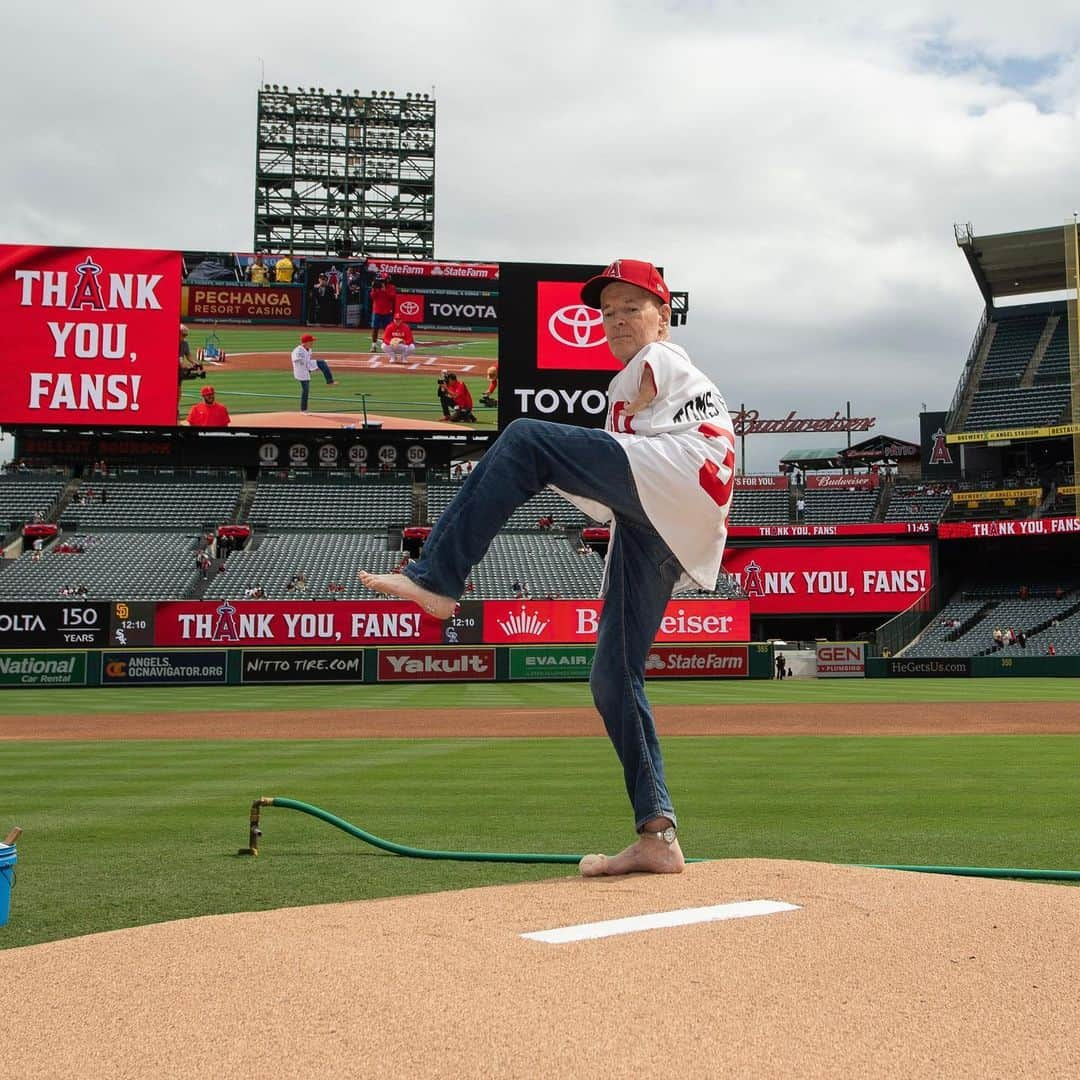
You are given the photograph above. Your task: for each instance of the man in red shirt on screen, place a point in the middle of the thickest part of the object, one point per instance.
(383, 304)
(398, 343)
(463, 402)
(208, 413)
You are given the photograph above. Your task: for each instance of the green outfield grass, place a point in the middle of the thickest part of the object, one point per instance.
(386, 392)
(125, 833)
(528, 695)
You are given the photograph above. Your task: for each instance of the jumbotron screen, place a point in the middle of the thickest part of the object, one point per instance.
(127, 338)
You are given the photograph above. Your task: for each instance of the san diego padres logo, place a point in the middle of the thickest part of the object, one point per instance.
(408, 307)
(578, 326)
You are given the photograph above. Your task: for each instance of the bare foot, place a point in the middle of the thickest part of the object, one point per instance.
(646, 855)
(442, 607)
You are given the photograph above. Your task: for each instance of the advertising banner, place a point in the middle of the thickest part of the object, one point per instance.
(243, 303)
(982, 530)
(53, 625)
(450, 309)
(437, 665)
(572, 621)
(854, 579)
(268, 622)
(1005, 495)
(410, 306)
(929, 667)
(706, 661)
(569, 334)
(321, 666)
(872, 528)
(843, 482)
(840, 659)
(762, 483)
(89, 335)
(422, 269)
(157, 668)
(43, 669)
(558, 662)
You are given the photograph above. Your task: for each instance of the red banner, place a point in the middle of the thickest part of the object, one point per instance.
(437, 665)
(89, 335)
(569, 335)
(410, 306)
(570, 622)
(711, 661)
(872, 528)
(831, 580)
(319, 622)
(259, 303)
(421, 268)
(859, 482)
(981, 530)
(762, 483)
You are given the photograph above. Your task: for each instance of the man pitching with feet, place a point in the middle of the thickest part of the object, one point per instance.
(662, 472)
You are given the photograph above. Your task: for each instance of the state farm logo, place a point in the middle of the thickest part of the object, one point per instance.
(701, 660)
(578, 326)
(523, 624)
(409, 308)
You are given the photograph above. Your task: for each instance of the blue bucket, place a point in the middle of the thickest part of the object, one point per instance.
(8, 858)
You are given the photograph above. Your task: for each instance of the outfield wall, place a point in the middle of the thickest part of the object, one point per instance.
(26, 669)
(971, 667)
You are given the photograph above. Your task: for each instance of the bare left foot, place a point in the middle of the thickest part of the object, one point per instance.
(647, 855)
(442, 607)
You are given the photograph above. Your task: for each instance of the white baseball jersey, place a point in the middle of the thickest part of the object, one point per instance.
(682, 455)
(303, 363)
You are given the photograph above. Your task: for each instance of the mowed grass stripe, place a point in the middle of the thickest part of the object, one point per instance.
(553, 695)
(119, 834)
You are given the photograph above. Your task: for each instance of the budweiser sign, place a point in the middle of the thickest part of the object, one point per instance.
(749, 422)
(843, 482)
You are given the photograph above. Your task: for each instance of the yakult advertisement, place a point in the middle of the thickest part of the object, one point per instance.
(831, 580)
(89, 335)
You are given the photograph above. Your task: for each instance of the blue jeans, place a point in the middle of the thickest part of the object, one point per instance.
(642, 571)
(305, 387)
(324, 367)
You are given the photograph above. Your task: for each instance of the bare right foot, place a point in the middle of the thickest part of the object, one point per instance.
(442, 607)
(647, 855)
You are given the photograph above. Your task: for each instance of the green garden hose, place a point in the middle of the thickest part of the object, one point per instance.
(511, 857)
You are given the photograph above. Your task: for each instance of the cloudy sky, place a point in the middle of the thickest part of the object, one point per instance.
(798, 168)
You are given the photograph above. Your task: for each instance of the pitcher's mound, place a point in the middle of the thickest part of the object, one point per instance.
(856, 973)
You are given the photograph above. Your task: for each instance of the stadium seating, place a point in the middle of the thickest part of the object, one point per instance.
(566, 515)
(1054, 366)
(24, 495)
(548, 565)
(1012, 348)
(828, 506)
(161, 502)
(1029, 406)
(753, 507)
(983, 608)
(114, 566)
(329, 558)
(912, 502)
(317, 502)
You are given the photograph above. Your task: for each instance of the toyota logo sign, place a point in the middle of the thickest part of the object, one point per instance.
(578, 326)
(408, 307)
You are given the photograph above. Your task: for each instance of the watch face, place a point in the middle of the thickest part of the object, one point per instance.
(668, 834)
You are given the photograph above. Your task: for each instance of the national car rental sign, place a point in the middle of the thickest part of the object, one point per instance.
(89, 335)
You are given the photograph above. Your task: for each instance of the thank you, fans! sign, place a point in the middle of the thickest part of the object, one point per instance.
(89, 335)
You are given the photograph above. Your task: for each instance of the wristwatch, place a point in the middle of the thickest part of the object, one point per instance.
(667, 835)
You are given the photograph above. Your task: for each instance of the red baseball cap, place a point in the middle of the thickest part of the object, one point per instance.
(634, 272)
(206, 391)
(306, 338)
